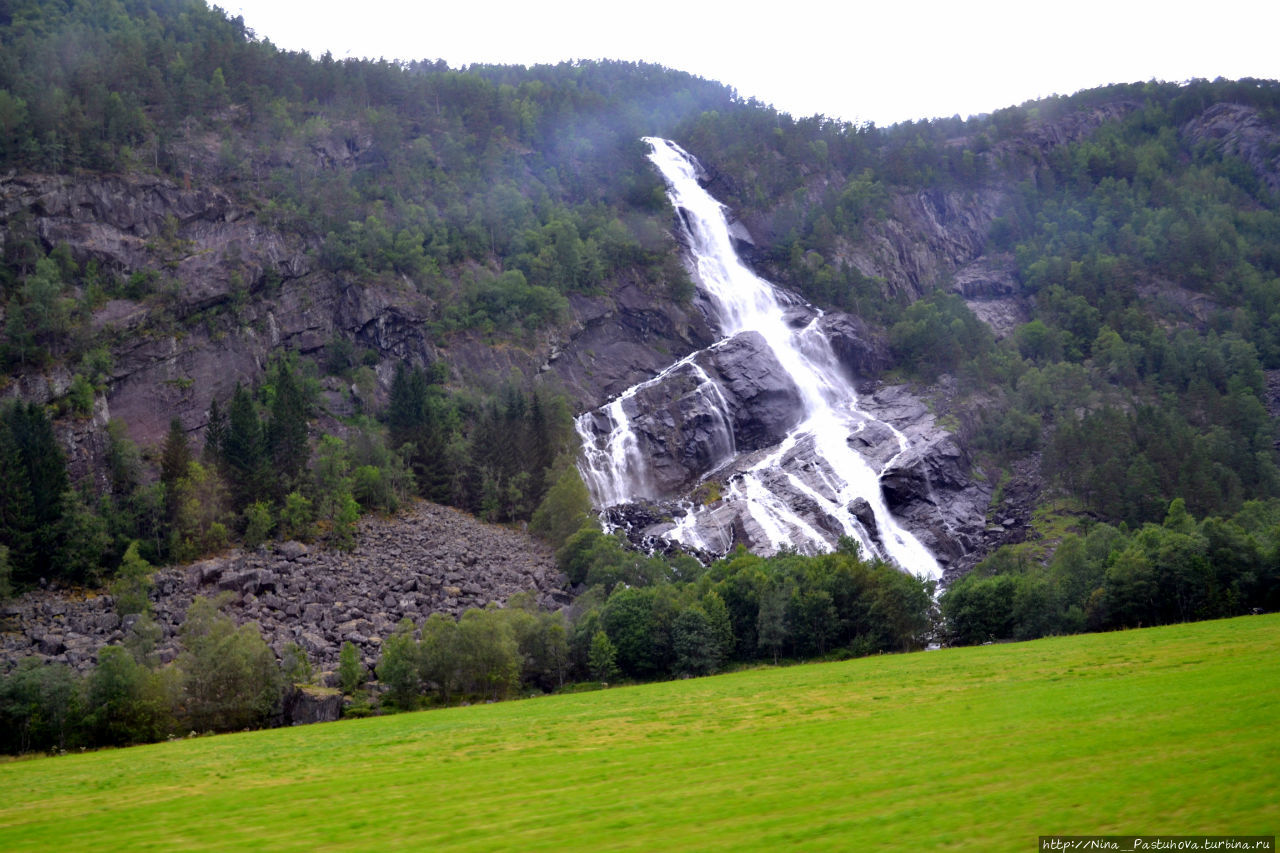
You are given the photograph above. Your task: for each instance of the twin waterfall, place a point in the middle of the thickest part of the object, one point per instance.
(754, 439)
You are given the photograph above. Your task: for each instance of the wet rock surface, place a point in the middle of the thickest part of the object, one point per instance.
(929, 487)
(429, 559)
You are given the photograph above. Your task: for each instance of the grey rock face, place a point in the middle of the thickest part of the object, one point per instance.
(1241, 131)
(762, 398)
(734, 397)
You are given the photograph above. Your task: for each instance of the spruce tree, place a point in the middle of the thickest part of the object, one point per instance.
(17, 514)
(287, 430)
(243, 451)
(175, 457)
(42, 473)
(175, 454)
(214, 434)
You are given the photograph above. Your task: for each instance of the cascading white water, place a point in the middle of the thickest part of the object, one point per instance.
(835, 475)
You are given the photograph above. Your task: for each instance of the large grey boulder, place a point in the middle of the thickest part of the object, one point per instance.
(305, 704)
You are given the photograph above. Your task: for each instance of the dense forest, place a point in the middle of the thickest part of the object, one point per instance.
(1145, 254)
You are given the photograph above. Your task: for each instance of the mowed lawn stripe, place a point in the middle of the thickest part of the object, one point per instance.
(1163, 730)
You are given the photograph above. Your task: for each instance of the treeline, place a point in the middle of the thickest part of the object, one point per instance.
(672, 616)
(1178, 571)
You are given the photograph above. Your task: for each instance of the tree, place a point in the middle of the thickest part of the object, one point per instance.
(602, 660)
(133, 583)
(438, 661)
(175, 456)
(258, 523)
(6, 571)
(398, 667)
(297, 518)
(86, 543)
(629, 622)
(200, 500)
(295, 665)
(564, 510)
(350, 670)
(696, 646)
(286, 430)
(420, 415)
(31, 460)
(979, 609)
(41, 706)
(771, 625)
(243, 452)
(215, 434)
(812, 618)
(229, 675)
(129, 703)
(488, 657)
(17, 512)
(721, 625)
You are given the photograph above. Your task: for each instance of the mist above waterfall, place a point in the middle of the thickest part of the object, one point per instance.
(763, 426)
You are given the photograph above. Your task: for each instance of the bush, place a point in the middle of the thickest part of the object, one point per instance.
(297, 519)
(133, 583)
(258, 523)
(229, 675)
(350, 670)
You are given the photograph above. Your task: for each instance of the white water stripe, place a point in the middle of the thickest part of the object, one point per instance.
(615, 470)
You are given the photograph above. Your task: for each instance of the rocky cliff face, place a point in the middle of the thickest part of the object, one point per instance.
(236, 289)
(430, 559)
(1239, 131)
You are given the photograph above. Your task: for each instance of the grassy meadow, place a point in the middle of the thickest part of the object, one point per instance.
(1171, 730)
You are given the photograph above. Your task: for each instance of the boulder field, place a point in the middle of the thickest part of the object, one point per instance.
(427, 559)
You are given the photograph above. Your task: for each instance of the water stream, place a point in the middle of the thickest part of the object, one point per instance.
(801, 493)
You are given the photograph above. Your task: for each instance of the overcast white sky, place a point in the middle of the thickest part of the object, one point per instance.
(882, 62)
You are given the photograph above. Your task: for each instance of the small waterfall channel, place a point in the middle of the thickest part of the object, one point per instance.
(802, 491)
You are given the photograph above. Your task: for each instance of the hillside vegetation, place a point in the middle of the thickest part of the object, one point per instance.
(1161, 730)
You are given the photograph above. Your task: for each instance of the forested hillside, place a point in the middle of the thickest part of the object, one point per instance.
(247, 295)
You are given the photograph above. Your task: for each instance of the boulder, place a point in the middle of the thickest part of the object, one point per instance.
(305, 704)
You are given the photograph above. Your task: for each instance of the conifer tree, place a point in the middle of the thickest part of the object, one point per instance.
(175, 457)
(287, 430)
(243, 449)
(42, 474)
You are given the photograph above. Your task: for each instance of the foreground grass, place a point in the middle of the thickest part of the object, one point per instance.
(1169, 730)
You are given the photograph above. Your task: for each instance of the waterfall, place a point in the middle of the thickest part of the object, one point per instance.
(802, 491)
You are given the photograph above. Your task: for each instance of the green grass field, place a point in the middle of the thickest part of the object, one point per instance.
(1169, 730)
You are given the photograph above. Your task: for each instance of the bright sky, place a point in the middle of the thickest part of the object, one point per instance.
(882, 62)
